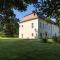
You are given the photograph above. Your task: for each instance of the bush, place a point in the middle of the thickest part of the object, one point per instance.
(58, 39)
(55, 39)
(44, 40)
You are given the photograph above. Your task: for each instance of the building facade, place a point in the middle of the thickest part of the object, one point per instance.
(33, 27)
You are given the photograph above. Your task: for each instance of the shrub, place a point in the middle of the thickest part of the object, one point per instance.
(44, 40)
(55, 39)
(58, 39)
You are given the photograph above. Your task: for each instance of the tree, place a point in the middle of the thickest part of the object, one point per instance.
(46, 7)
(17, 4)
(6, 10)
(9, 24)
(49, 8)
(1, 25)
(58, 23)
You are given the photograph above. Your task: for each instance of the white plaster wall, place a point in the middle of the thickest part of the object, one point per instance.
(55, 30)
(27, 29)
(51, 29)
(42, 29)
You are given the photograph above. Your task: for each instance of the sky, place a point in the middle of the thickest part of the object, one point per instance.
(20, 15)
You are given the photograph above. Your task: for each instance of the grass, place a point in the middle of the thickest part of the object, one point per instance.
(16, 49)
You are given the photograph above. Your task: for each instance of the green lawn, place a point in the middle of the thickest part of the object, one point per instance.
(15, 49)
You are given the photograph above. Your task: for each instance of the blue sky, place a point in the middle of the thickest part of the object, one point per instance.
(19, 15)
(30, 8)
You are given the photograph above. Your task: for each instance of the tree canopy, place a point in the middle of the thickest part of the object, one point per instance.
(9, 22)
(48, 7)
(44, 7)
(17, 4)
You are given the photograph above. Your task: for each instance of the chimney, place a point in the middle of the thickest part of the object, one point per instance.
(34, 12)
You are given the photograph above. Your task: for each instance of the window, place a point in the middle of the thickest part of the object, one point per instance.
(19, 25)
(40, 24)
(32, 34)
(22, 25)
(45, 34)
(22, 35)
(32, 25)
(40, 35)
(36, 34)
(43, 25)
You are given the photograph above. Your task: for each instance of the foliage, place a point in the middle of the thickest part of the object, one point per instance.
(55, 39)
(11, 28)
(58, 39)
(44, 40)
(9, 22)
(58, 23)
(48, 7)
(16, 4)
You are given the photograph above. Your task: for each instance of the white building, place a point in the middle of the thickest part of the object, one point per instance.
(32, 27)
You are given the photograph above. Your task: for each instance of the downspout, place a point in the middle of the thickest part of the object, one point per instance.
(51, 30)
